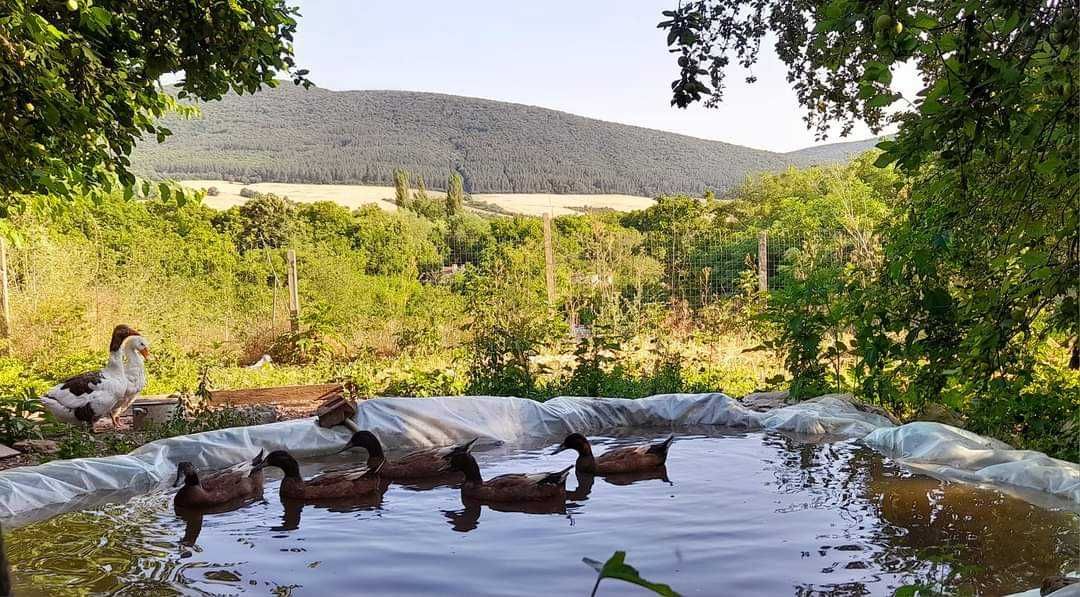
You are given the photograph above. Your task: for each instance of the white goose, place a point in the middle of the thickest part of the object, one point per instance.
(136, 351)
(87, 397)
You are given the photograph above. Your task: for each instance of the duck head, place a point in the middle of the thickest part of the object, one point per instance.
(138, 344)
(366, 440)
(464, 462)
(120, 333)
(283, 460)
(186, 471)
(576, 442)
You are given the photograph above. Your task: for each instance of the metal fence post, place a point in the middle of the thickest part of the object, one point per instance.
(763, 261)
(294, 293)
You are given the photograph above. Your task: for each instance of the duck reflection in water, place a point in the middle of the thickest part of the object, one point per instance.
(585, 481)
(468, 518)
(193, 518)
(293, 509)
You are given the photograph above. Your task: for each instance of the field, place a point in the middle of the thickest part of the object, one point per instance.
(353, 196)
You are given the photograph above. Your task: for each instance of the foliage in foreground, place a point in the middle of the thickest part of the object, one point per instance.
(81, 81)
(973, 301)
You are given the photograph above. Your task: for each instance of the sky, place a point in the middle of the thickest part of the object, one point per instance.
(598, 58)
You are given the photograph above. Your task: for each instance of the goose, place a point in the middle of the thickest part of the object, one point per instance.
(136, 351)
(87, 397)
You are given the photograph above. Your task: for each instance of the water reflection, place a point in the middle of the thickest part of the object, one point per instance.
(955, 536)
(193, 518)
(764, 513)
(468, 518)
(293, 509)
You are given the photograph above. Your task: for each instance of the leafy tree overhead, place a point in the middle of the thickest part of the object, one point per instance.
(980, 268)
(79, 80)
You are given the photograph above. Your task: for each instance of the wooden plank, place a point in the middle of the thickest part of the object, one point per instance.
(299, 395)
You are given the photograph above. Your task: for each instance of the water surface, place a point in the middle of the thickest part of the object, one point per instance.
(747, 513)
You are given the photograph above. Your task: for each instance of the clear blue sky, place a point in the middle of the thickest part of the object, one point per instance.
(599, 58)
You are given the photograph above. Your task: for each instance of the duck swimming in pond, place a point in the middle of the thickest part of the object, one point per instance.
(342, 483)
(218, 487)
(432, 462)
(620, 460)
(509, 488)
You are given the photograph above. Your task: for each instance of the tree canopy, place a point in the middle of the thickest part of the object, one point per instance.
(80, 79)
(981, 266)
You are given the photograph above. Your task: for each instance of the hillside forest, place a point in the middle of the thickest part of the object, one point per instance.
(289, 134)
(434, 299)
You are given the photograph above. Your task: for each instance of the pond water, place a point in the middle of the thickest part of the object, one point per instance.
(739, 513)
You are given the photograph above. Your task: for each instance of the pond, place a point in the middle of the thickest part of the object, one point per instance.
(733, 513)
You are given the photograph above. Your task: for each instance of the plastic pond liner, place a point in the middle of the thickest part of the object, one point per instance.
(822, 495)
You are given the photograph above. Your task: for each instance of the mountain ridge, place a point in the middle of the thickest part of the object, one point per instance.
(359, 137)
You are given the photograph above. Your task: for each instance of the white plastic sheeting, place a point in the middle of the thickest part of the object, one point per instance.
(409, 423)
(951, 453)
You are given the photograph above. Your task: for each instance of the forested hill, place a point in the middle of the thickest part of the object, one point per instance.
(321, 136)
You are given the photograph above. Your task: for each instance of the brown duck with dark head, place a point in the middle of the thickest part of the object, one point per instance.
(509, 488)
(421, 464)
(620, 460)
(341, 483)
(218, 487)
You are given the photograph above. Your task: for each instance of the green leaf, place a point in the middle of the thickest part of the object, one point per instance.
(616, 568)
(163, 191)
(880, 101)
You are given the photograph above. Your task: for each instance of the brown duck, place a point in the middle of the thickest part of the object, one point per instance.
(432, 462)
(620, 460)
(508, 488)
(218, 487)
(341, 483)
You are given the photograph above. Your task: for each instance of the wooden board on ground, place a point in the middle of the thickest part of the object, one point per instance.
(283, 395)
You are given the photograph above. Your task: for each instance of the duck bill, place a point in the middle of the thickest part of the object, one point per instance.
(348, 446)
(558, 449)
(179, 477)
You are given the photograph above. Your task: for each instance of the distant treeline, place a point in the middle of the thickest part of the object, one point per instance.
(360, 137)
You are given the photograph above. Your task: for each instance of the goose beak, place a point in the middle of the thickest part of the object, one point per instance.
(145, 352)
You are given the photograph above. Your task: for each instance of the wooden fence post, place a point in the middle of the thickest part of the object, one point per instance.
(294, 292)
(5, 303)
(763, 261)
(549, 261)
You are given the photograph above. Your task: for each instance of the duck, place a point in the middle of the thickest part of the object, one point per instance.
(87, 397)
(630, 459)
(431, 462)
(508, 488)
(342, 483)
(238, 481)
(136, 351)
